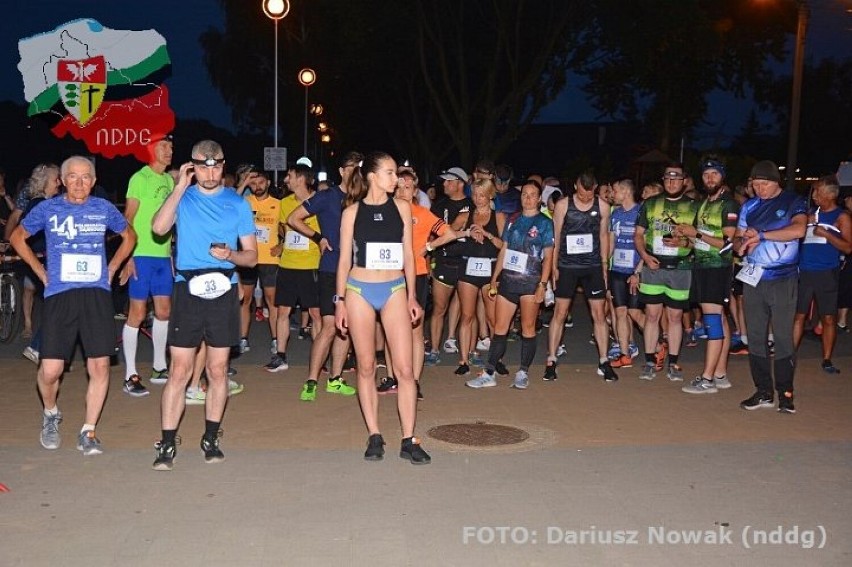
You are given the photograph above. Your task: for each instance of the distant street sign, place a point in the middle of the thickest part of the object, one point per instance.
(275, 159)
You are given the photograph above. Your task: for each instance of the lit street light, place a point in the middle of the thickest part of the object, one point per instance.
(307, 77)
(275, 10)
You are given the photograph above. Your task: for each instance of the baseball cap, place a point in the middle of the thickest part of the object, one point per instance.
(549, 191)
(455, 174)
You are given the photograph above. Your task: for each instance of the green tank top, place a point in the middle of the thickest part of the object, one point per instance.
(659, 216)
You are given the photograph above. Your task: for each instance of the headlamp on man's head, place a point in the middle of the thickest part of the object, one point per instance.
(208, 162)
(673, 175)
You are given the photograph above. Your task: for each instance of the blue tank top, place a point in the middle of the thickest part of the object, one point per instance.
(622, 224)
(817, 254)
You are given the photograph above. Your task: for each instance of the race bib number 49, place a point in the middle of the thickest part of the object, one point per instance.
(81, 268)
(384, 256)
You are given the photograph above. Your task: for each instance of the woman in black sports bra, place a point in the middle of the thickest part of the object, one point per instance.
(376, 274)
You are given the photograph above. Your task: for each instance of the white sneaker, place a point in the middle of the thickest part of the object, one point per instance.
(484, 380)
(235, 387)
(31, 354)
(521, 381)
(483, 344)
(450, 345)
(560, 350)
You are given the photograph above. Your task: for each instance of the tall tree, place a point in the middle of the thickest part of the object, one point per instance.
(657, 60)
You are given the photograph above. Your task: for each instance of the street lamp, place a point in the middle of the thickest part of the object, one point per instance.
(307, 77)
(275, 10)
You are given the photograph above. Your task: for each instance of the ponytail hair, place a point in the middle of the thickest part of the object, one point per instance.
(359, 186)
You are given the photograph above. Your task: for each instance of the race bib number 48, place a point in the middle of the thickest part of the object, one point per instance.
(578, 243)
(81, 268)
(384, 256)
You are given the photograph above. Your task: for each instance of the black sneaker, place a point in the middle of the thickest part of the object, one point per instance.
(419, 392)
(550, 372)
(462, 370)
(501, 369)
(757, 401)
(605, 370)
(827, 367)
(133, 387)
(381, 362)
(412, 451)
(375, 448)
(304, 333)
(349, 365)
(166, 453)
(212, 453)
(388, 385)
(785, 403)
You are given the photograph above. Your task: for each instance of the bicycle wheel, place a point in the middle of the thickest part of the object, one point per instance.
(10, 307)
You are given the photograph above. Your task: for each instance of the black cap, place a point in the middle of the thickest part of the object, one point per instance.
(766, 170)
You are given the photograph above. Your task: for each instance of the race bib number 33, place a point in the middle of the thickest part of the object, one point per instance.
(384, 256)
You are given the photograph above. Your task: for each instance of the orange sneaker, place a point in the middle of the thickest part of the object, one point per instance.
(662, 353)
(622, 361)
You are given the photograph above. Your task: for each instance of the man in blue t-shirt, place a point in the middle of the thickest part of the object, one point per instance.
(211, 220)
(768, 233)
(77, 294)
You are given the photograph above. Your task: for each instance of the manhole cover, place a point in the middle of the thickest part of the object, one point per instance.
(478, 434)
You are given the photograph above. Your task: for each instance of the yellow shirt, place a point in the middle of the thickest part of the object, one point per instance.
(300, 252)
(266, 214)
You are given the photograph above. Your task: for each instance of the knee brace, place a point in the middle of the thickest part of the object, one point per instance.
(713, 326)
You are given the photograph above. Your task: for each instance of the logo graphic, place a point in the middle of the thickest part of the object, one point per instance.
(533, 232)
(99, 85)
(81, 86)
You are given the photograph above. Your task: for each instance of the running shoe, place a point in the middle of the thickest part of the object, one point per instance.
(738, 347)
(785, 403)
(388, 385)
(483, 344)
(623, 361)
(829, 368)
(700, 385)
(431, 359)
(277, 364)
(451, 345)
(484, 380)
(309, 391)
(212, 452)
(419, 391)
(501, 369)
(339, 386)
(521, 381)
(614, 351)
(258, 314)
(550, 371)
(273, 346)
(561, 351)
(89, 444)
(244, 345)
(195, 396)
(633, 350)
(413, 452)
(661, 354)
(235, 388)
(675, 373)
(133, 387)
(569, 321)
(699, 331)
(756, 401)
(159, 376)
(50, 438)
(305, 333)
(350, 363)
(722, 382)
(605, 370)
(166, 453)
(691, 339)
(381, 362)
(462, 370)
(375, 448)
(648, 372)
(31, 354)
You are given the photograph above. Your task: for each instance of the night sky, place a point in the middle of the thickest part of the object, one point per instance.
(182, 21)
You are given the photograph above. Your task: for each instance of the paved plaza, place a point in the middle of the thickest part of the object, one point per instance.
(627, 473)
